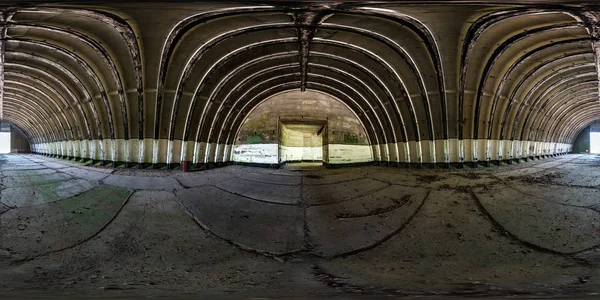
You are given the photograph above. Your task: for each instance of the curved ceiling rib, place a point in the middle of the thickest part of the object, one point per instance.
(197, 56)
(530, 55)
(570, 112)
(20, 118)
(178, 33)
(88, 70)
(531, 111)
(128, 35)
(493, 59)
(475, 31)
(534, 116)
(261, 96)
(426, 36)
(571, 129)
(99, 50)
(15, 117)
(522, 84)
(58, 70)
(380, 102)
(38, 96)
(522, 73)
(28, 120)
(54, 95)
(51, 121)
(248, 104)
(558, 115)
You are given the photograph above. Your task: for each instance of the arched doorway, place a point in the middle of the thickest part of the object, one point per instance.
(299, 126)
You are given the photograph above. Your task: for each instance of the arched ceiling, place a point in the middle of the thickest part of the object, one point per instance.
(418, 75)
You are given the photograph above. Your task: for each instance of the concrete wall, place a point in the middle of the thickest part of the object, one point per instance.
(345, 154)
(261, 132)
(582, 143)
(19, 143)
(256, 153)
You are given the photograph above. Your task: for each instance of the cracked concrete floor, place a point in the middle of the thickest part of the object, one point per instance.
(527, 229)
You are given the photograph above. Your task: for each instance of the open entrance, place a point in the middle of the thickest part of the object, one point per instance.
(301, 127)
(595, 142)
(301, 141)
(5, 142)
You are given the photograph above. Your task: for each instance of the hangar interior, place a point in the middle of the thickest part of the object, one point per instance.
(299, 148)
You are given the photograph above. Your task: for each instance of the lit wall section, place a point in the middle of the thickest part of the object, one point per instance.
(4, 142)
(302, 126)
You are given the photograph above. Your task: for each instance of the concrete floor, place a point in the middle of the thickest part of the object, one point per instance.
(527, 229)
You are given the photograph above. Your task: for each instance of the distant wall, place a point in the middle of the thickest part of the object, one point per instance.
(259, 138)
(18, 141)
(297, 146)
(582, 143)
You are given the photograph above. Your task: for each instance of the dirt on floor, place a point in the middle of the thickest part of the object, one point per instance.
(528, 230)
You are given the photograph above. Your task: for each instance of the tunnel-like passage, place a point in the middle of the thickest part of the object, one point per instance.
(303, 88)
(103, 84)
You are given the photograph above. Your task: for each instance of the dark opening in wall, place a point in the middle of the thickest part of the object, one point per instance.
(12, 139)
(583, 142)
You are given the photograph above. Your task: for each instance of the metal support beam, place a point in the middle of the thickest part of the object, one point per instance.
(591, 21)
(306, 25)
(3, 32)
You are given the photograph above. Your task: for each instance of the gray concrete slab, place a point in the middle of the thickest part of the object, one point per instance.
(322, 179)
(27, 166)
(30, 195)
(206, 237)
(142, 183)
(55, 165)
(546, 224)
(568, 195)
(548, 165)
(262, 227)
(526, 171)
(400, 176)
(273, 193)
(578, 174)
(3, 208)
(272, 179)
(35, 230)
(363, 222)
(18, 181)
(238, 169)
(450, 244)
(339, 192)
(196, 179)
(462, 179)
(85, 173)
(25, 172)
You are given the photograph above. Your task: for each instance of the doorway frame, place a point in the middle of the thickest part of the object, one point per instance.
(294, 121)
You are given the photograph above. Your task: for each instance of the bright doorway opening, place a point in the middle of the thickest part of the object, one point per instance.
(595, 142)
(301, 142)
(4, 142)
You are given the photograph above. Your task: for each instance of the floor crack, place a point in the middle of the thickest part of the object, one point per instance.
(30, 258)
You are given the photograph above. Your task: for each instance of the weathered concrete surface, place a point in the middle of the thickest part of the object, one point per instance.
(142, 183)
(267, 192)
(33, 194)
(241, 220)
(295, 231)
